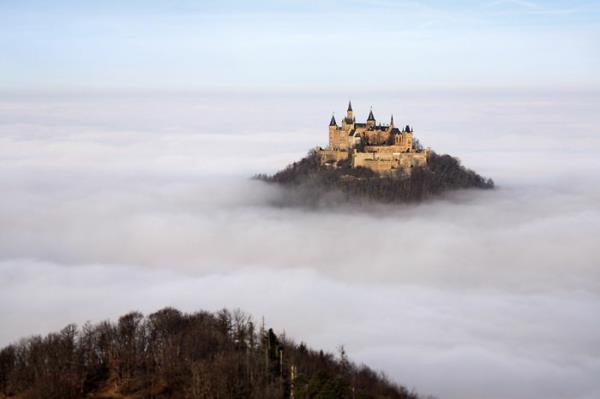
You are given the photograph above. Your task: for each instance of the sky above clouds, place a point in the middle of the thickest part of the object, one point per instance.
(308, 44)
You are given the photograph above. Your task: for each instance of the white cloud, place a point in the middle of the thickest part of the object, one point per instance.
(114, 203)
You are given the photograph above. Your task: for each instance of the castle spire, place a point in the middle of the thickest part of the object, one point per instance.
(392, 121)
(332, 122)
(349, 115)
(371, 117)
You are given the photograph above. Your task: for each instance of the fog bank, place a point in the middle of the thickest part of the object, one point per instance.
(138, 201)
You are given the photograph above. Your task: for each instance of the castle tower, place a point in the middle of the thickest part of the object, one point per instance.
(409, 137)
(371, 119)
(392, 123)
(332, 122)
(332, 131)
(348, 121)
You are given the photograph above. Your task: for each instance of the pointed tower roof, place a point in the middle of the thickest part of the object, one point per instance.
(371, 117)
(392, 121)
(332, 122)
(349, 105)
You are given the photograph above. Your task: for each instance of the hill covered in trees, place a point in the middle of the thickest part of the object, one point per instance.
(170, 354)
(310, 182)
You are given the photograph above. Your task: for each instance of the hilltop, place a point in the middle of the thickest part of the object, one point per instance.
(310, 183)
(374, 161)
(170, 354)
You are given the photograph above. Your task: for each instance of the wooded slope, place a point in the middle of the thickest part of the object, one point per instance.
(170, 354)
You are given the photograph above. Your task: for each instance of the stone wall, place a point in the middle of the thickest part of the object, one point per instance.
(338, 139)
(382, 162)
(331, 157)
(377, 137)
(387, 148)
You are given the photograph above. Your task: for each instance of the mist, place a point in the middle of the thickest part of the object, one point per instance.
(119, 201)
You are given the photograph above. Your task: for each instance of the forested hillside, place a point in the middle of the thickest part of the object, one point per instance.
(170, 354)
(310, 182)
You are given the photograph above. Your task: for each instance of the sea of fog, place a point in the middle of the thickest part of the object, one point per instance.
(124, 201)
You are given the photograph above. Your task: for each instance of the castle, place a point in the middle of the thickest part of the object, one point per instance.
(380, 148)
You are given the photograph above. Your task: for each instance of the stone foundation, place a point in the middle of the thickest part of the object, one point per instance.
(380, 162)
(331, 157)
(383, 162)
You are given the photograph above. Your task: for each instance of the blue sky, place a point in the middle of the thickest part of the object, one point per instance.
(299, 44)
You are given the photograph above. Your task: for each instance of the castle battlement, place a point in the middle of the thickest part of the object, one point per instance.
(379, 147)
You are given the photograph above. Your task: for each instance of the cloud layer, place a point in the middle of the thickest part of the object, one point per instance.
(113, 203)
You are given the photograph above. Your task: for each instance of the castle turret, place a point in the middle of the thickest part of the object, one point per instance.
(332, 126)
(332, 122)
(348, 121)
(371, 119)
(409, 137)
(392, 122)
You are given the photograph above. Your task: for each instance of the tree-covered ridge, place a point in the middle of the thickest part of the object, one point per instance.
(170, 354)
(442, 173)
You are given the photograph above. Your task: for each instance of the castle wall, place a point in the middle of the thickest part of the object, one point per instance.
(377, 136)
(382, 162)
(331, 156)
(404, 139)
(338, 139)
(387, 148)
